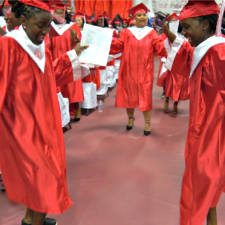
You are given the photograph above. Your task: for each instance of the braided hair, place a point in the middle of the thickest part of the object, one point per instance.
(20, 9)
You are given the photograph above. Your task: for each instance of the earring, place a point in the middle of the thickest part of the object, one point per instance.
(24, 27)
(204, 28)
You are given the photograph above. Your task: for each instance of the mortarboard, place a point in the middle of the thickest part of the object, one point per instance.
(174, 15)
(41, 4)
(199, 8)
(140, 8)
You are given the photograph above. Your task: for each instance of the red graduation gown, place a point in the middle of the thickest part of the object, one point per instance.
(136, 69)
(32, 156)
(59, 46)
(176, 87)
(161, 80)
(204, 176)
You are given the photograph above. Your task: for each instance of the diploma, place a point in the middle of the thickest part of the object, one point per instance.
(99, 40)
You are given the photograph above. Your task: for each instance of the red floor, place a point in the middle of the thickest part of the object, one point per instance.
(117, 177)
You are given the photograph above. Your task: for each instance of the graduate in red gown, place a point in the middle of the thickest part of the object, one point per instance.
(5, 11)
(79, 20)
(176, 87)
(131, 22)
(60, 45)
(138, 45)
(204, 176)
(32, 156)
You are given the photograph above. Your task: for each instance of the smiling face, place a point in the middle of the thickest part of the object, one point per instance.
(12, 22)
(79, 22)
(37, 26)
(195, 31)
(141, 20)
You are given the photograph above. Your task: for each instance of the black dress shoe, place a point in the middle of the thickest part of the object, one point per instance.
(146, 133)
(2, 188)
(48, 221)
(76, 119)
(130, 127)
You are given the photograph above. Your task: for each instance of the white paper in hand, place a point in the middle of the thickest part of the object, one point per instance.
(99, 40)
(174, 26)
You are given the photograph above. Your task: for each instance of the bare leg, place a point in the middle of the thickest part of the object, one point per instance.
(38, 218)
(166, 105)
(29, 216)
(147, 116)
(163, 94)
(175, 108)
(130, 114)
(212, 217)
(78, 110)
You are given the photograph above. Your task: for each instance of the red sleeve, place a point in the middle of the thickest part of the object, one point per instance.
(67, 68)
(214, 67)
(77, 29)
(115, 34)
(158, 45)
(180, 58)
(117, 44)
(7, 67)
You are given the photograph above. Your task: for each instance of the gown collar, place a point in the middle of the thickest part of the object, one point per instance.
(201, 50)
(140, 33)
(36, 52)
(61, 28)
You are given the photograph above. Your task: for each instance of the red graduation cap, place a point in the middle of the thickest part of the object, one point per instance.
(88, 19)
(130, 21)
(117, 21)
(199, 8)
(174, 15)
(60, 6)
(41, 4)
(124, 20)
(140, 8)
(102, 16)
(6, 3)
(78, 15)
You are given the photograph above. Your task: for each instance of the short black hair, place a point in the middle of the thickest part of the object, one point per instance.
(212, 19)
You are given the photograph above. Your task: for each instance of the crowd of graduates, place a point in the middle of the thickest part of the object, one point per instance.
(39, 67)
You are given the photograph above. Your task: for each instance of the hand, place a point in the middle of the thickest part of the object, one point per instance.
(79, 49)
(75, 37)
(2, 32)
(165, 28)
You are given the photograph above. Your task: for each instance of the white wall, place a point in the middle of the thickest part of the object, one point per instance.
(166, 6)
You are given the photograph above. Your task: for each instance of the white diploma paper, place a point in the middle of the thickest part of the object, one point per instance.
(99, 40)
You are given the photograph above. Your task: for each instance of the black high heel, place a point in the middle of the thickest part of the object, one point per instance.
(76, 119)
(131, 127)
(146, 133)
